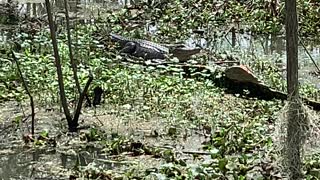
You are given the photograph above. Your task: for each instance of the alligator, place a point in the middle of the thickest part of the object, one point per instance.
(140, 48)
(150, 50)
(183, 53)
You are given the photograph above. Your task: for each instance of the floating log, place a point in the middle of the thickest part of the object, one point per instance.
(236, 79)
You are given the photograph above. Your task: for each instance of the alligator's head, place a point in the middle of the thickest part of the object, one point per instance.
(184, 53)
(129, 48)
(120, 39)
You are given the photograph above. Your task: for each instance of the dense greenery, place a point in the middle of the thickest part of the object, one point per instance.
(175, 19)
(239, 132)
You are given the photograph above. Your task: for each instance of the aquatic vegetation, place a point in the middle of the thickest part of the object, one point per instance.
(153, 122)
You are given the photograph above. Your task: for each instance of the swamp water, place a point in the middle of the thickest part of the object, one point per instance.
(18, 162)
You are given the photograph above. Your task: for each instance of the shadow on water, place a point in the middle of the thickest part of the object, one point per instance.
(54, 163)
(25, 163)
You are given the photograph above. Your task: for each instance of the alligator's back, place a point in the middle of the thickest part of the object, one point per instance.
(143, 43)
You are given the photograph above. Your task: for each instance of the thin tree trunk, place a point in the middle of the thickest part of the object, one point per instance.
(294, 134)
(58, 63)
(233, 34)
(74, 125)
(72, 61)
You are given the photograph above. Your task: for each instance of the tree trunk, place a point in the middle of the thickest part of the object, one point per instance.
(58, 64)
(293, 128)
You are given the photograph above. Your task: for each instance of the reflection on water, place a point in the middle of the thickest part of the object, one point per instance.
(268, 46)
(39, 163)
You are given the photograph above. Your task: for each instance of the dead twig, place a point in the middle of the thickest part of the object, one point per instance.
(313, 61)
(117, 162)
(196, 152)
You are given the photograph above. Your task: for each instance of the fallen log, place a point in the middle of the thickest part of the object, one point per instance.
(236, 79)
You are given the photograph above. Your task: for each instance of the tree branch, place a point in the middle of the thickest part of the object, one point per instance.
(57, 63)
(27, 90)
(72, 61)
(79, 105)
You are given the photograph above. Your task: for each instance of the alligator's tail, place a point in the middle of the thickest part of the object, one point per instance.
(117, 37)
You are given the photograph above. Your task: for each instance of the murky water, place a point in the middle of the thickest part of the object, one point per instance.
(23, 160)
(25, 163)
(273, 48)
(18, 161)
(269, 47)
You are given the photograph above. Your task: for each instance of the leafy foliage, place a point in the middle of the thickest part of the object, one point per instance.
(239, 130)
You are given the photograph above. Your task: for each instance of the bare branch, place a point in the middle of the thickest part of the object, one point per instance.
(27, 90)
(313, 61)
(79, 106)
(57, 63)
(72, 61)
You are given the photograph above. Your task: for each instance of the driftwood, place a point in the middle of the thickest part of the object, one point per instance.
(234, 79)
